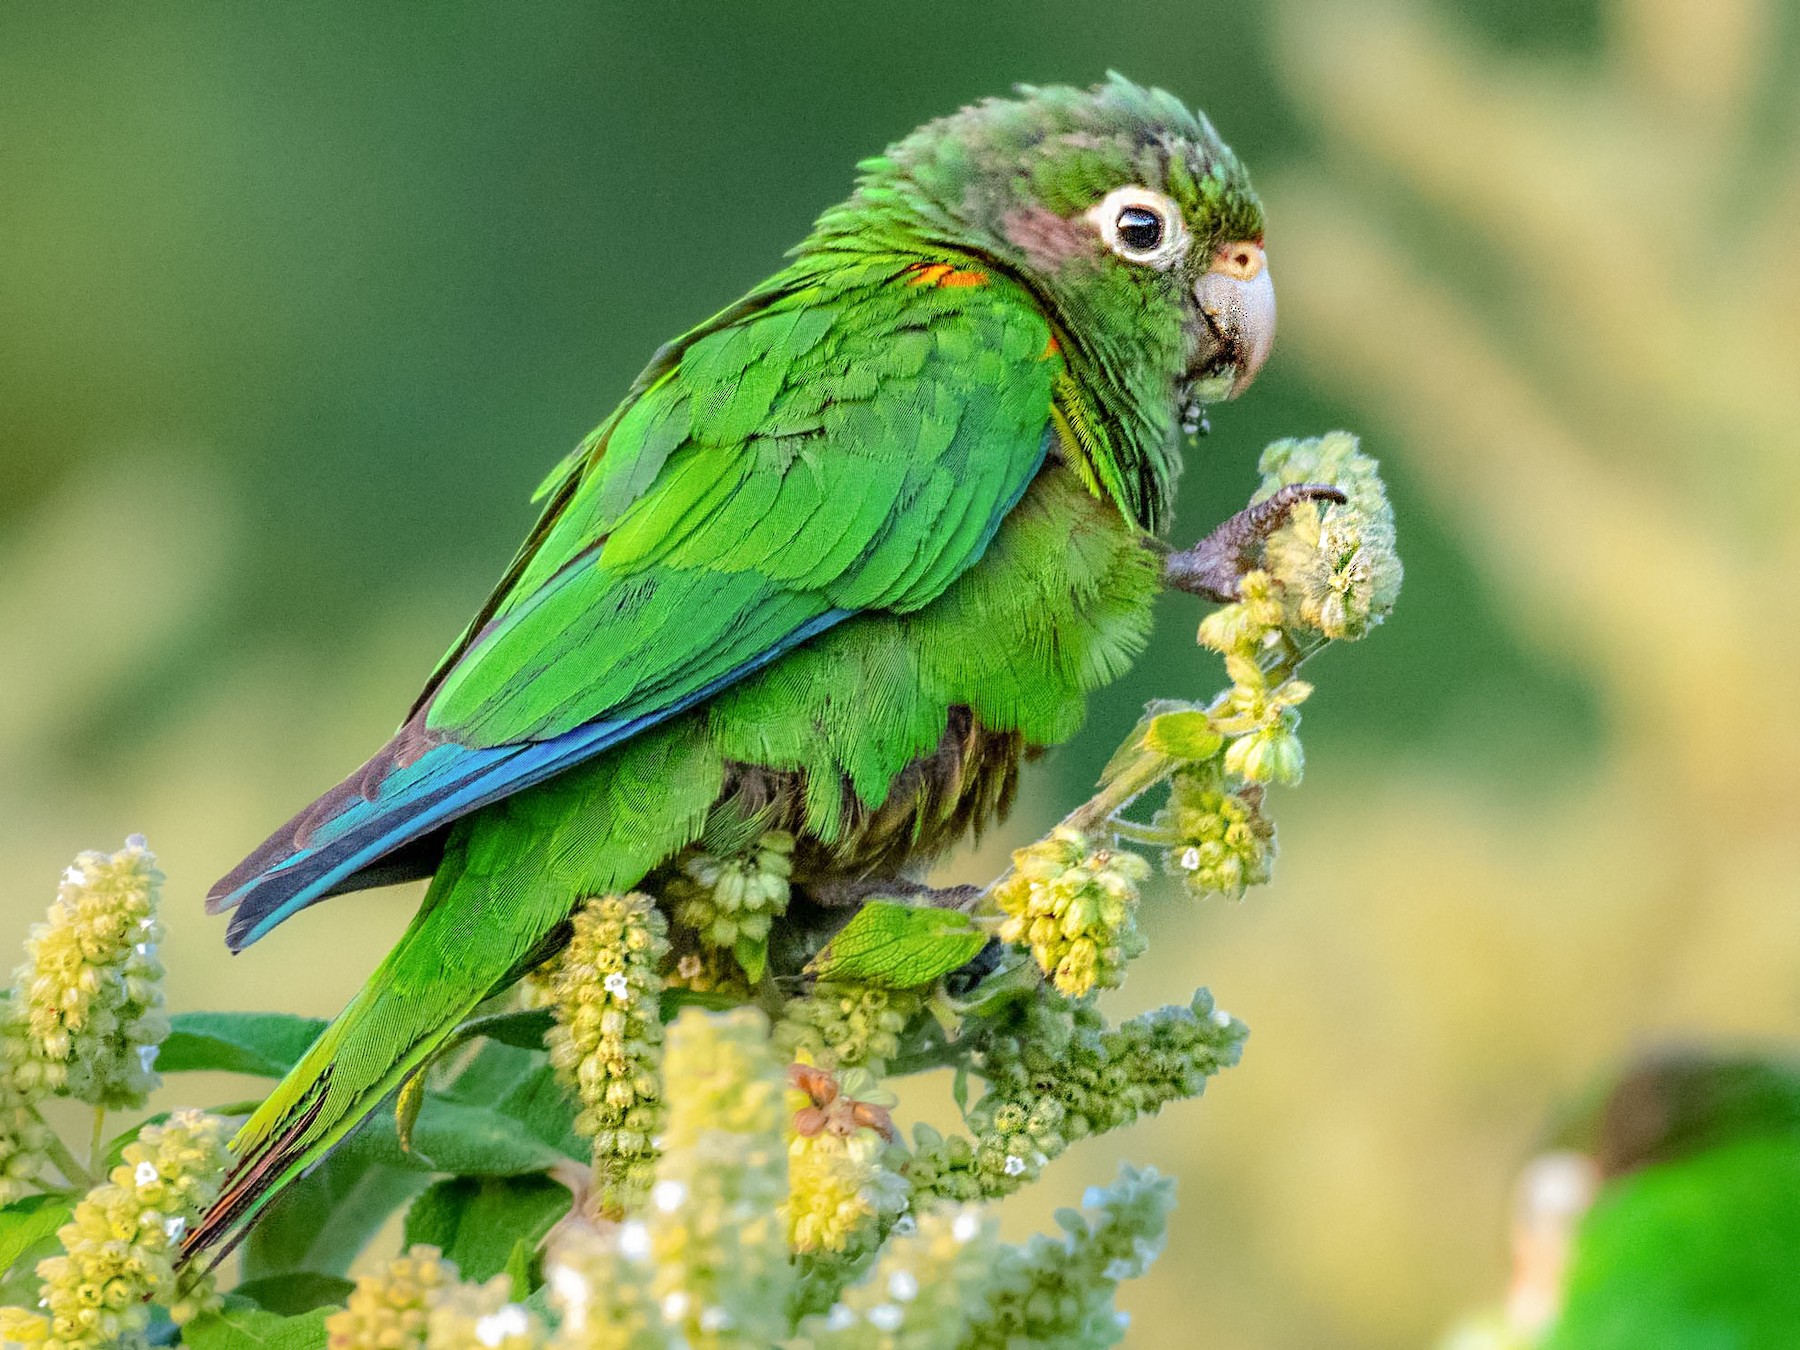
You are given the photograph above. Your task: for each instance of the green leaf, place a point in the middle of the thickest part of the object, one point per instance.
(1133, 745)
(295, 1293)
(674, 1000)
(28, 1224)
(524, 1028)
(521, 1266)
(244, 1326)
(320, 1223)
(547, 1109)
(521, 1087)
(453, 1136)
(1186, 735)
(753, 955)
(480, 1222)
(895, 946)
(265, 1044)
(407, 1105)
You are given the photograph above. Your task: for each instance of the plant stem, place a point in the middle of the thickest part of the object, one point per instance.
(97, 1143)
(73, 1172)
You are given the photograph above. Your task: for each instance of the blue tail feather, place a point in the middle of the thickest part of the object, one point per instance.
(414, 785)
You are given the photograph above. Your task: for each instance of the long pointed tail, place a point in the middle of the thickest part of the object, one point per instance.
(471, 935)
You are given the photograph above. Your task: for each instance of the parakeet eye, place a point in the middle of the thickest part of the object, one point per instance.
(1141, 226)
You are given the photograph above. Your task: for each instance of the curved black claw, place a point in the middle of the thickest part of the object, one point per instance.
(1212, 567)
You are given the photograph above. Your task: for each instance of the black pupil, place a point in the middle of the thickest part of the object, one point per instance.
(1140, 227)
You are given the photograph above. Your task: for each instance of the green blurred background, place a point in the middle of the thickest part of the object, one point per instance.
(298, 303)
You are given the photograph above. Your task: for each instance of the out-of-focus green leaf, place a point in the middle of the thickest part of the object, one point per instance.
(295, 1293)
(265, 1044)
(320, 1223)
(521, 1265)
(26, 1225)
(546, 1108)
(895, 946)
(753, 955)
(480, 1222)
(520, 1085)
(453, 1136)
(241, 1325)
(524, 1028)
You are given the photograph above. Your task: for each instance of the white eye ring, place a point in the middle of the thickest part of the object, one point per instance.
(1109, 217)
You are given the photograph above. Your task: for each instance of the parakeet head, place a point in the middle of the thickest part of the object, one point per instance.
(1118, 206)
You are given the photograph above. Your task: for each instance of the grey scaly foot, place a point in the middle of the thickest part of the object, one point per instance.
(1212, 567)
(851, 894)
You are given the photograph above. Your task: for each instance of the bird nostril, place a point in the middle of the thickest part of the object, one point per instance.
(1242, 260)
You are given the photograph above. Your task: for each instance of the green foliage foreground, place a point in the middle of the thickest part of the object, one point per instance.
(665, 1138)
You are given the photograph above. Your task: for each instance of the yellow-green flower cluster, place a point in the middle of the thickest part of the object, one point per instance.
(481, 1317)
(388, 1308)
(1060, 1074)
(1220, 841)
(1263, 722)
(607, 1039)
(845, 1024)
(121, 1243)
(85, 1016)
(600, 1284)
(1060, 1291)
(1073, 905)
(703, 970)
(24, 1137)
(837, 1186)
(716, 1233)
(1336, 563)
(923, 1292)
(736, 897)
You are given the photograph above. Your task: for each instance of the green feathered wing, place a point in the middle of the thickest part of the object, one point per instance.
(845, 440)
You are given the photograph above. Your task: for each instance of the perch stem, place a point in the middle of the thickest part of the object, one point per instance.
(73, 1172)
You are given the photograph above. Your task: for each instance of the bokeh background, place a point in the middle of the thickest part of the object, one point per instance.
(297, 303)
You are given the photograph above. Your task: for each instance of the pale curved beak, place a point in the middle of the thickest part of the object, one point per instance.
(1237, 297)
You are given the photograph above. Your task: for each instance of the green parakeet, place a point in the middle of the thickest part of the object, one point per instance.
(1694, 1241)
(845, 555)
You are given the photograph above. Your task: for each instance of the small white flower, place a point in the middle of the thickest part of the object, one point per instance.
(617, 985)
(1119, 1269)
(1220, 1018)
(145, 1174)
(499, 1326)
(668, 1195)
(74, 876)
(841, 1318)
(572, 1292)
(175, 1227)
(1190, 858)
(1014, 1166)
(886, 1317)
(966, 1226)
(147, 1056)
(714, 1319)
(903, 1286)
(675, 1306)
(905, 1226)
(634, 1240)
